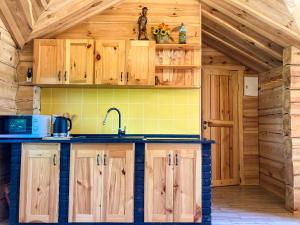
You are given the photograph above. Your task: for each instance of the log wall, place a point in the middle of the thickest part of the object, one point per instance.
(271, 138)
(291, 126)
(8, 89)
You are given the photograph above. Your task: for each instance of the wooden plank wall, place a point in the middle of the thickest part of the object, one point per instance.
(8, 88)
(272, 166)
(291, 126)
(211, 56)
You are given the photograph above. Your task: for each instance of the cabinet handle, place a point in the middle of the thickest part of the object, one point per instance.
(127, 76)
(85, 76)
(176, 159)
(169, 159)
(98, 57)
(104, 159)
(65, 75)
(121, 76)
(54, 160)
(58, 75)
(98, 160)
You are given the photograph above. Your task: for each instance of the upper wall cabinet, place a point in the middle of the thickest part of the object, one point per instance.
(48, 66)
(79, 62)
(140, 63)
(110, 59)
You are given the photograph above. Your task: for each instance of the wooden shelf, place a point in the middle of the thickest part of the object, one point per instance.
(180, 67)
(178, 46)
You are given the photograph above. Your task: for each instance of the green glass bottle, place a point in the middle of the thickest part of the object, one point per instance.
(182, 34)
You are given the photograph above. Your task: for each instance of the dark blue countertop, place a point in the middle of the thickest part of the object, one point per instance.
(106, 138)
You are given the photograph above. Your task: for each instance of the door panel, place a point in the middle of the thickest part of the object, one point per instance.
(140, 63)
(118, 183)
(187, 185)
(220, 123)
(39, 183)
(159, 186)
(79, 62)
(85, 182)
(48, 64)
(110, 62)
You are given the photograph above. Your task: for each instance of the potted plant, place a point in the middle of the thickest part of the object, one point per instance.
(162, 33)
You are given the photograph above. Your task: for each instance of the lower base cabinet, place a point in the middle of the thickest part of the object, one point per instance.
(173, 183)
(101, 183)
(39, 185)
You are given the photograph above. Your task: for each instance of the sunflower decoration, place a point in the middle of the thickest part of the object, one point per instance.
(162, 29)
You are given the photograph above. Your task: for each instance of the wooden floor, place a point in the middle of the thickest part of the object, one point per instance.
(249, 205)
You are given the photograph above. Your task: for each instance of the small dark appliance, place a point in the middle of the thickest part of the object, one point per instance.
(61, 126)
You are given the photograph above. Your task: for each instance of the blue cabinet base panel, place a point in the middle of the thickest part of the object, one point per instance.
(139, 185)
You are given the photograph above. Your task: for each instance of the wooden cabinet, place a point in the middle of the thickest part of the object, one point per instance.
(173, 183)
(39, 185)
(63, 61)
(110, 59)
(48, 66)
(79, 62)
(140, 63)
(101, 183)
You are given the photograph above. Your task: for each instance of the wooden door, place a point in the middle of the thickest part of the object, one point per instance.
(79, 62)
(39, 185)
(118, 196)
(48, 64)
(187, 184)
(140, 63)
(86, 174)
(220, 123)
(158, 183)
(110, 62)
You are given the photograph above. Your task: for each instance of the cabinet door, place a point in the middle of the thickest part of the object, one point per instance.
(39, 183)
(79, 62)
(118, 195)
(140, 63)
(187, 184)
(110, 62)
(158, 184)
(85, 184)
(48, 65)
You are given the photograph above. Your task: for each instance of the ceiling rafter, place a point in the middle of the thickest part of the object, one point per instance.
(246, 39)
(291, 36)
(27, 8)
(52, 22)
(234, 52)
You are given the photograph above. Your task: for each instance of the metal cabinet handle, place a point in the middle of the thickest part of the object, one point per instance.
(169, 159)
(85, 76)
(121, 76)
(104, 159)
(176, 159)
(98, 160)
(54, 160)
(65, 75)
(58, 75)
(127, 76)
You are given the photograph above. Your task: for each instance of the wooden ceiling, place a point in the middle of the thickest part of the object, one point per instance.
(254, 32)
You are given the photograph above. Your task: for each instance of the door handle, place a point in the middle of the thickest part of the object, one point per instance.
(65, 75)
(58, 75)
(127, 77)
(104, 159)
(98, 160)
(121, 76)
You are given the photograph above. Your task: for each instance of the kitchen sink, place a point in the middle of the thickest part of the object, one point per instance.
(107, 137)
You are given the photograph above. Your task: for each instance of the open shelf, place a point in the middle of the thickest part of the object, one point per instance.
(178, 46)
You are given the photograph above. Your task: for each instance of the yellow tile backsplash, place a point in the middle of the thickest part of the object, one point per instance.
(144, 111)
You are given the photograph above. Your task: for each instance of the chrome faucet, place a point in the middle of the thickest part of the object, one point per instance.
(120, 131)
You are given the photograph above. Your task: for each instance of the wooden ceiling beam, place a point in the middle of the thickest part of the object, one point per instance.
(242, 36)
(10, 22)
(234, 52)
(27, 8)
(291, 37)
(53, 22)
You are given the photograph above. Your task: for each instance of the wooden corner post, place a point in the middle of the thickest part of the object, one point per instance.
(291, 126)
